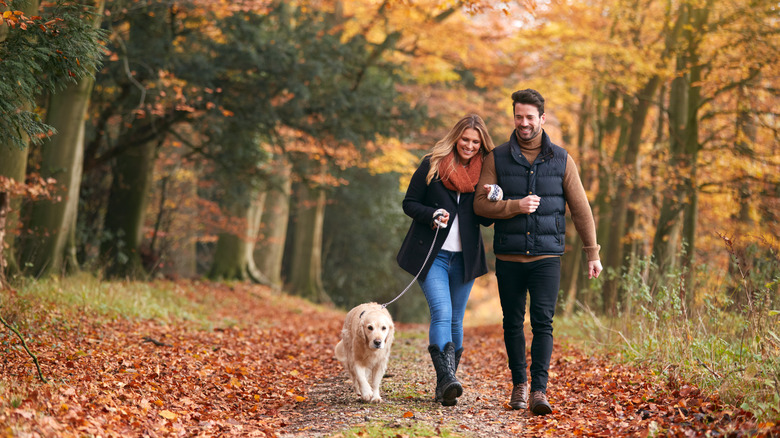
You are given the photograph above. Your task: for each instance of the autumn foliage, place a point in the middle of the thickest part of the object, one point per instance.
(262, 365)
(270, 141)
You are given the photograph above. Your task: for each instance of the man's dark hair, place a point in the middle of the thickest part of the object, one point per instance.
(528, 97)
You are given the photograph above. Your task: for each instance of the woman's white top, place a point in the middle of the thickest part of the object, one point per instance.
(452, 243)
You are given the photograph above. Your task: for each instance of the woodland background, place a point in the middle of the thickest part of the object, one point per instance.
(271, 141)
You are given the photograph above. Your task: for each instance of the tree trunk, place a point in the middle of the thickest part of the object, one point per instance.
(607, 124)
(229, 258)
(306, 259)
(276, 213)
(679, 208)
(254, 222)
(571, 262)
(627, 179)
(124, 220)
(747, 133)
(692, 147)
(178, 250)
(13, 166)
(666, 240)
(63, 157)
(570, 279)
(233, 255)
(4, 208)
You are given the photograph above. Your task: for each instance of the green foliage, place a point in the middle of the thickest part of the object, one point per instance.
(364, 227)
(275, 86)
(57, 47)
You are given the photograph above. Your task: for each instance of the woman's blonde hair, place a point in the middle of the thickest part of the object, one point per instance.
(446, 145)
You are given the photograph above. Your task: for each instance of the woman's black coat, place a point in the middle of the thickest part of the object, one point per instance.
(420, 202)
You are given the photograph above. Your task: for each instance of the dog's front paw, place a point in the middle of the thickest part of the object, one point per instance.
(376, 398)
(367, 397)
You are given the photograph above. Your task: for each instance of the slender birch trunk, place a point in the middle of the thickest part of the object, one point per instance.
(306, 258)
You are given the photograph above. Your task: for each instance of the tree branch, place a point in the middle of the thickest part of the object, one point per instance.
(24, 344)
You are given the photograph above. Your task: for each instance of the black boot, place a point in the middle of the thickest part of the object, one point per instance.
(458, 354)
(448, 389)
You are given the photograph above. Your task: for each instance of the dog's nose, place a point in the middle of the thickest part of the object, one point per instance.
(377, 343)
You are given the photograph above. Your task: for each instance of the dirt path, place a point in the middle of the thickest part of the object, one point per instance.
(590, 397)
(407, 393)
(264, 367)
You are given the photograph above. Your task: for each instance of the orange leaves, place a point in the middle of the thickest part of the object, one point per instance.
(35, 187)
(168, 414)
(14, 19)
(260, 377)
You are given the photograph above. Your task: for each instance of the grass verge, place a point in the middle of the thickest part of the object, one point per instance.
(726, 342)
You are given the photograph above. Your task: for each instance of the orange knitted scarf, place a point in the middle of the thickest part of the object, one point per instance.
(457, 177)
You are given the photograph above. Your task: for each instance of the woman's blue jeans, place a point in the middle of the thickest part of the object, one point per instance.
(447, 296)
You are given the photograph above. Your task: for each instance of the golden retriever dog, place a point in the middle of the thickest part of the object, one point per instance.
(364, 348)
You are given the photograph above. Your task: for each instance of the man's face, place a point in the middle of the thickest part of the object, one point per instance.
(528, 123)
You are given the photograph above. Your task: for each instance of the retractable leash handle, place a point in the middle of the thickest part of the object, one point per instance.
(437, 218)
(430, 250)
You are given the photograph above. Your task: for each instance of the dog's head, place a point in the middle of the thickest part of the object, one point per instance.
(378, 329)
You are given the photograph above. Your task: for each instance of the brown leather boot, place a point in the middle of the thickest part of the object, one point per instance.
(539, 403)
(519, 398)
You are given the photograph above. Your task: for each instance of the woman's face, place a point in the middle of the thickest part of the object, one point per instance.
(468, 145)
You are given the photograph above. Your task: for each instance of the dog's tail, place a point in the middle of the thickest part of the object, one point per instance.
(341, 355)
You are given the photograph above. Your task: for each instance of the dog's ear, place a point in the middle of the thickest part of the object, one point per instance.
(363, 328)
(390, 334)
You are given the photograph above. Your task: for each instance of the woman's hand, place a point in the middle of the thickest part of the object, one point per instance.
(440, 218)
(494, 192)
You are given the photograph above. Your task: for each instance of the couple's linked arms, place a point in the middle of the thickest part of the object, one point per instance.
(576, 199)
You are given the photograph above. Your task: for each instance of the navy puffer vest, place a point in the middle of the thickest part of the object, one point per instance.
(542, 232)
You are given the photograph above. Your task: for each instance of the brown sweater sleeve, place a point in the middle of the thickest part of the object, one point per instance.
(581, 214)
(577, 200)
(492, 209)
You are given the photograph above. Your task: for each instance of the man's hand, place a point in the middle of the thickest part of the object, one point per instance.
(594, 269)
(529, 204)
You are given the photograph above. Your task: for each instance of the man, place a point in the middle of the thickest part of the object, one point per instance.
(538, 180)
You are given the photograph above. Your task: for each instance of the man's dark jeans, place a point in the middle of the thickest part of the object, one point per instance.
(541, 279)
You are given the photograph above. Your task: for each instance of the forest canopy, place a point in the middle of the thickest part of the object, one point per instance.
(272, 141)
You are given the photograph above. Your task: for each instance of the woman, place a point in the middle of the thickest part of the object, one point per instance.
(440, 196)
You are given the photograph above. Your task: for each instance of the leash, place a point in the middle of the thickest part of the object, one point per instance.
(418, 274)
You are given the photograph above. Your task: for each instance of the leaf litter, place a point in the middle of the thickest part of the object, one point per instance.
(271, 373)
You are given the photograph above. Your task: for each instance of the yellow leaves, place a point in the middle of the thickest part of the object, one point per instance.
(408, 414)
(168, 415)
(391, 156)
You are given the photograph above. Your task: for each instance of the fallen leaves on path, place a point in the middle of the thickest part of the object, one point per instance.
(130, 378)
(273, 374)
